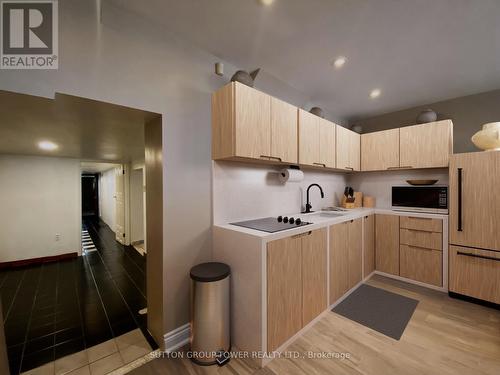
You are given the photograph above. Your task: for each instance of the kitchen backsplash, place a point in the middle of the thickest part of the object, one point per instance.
(245, 191)
(378, 184)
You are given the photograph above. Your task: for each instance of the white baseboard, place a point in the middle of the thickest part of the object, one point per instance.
(177, 338)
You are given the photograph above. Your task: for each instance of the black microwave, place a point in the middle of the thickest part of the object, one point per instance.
(433, 199)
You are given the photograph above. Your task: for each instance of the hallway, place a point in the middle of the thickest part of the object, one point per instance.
(56, 309)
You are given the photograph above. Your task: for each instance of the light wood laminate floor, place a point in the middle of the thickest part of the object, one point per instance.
(444, 337)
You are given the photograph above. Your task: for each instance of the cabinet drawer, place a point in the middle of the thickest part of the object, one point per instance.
(429, 240)
(419, 264)
(421, 223)
(475, 273)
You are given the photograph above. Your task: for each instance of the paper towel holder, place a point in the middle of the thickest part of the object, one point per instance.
(291, 167)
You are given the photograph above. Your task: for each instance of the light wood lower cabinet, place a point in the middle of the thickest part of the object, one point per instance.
(387, 243)
(475, 273)
(369, 244)
(284, 290)
(421, 264)
(345, 257)
(314, 275)
(421, 223)
(418, 238)
(355, 246)
(339, 261)
(296, 284)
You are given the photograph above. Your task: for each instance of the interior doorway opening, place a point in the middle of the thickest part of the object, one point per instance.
(80, 259)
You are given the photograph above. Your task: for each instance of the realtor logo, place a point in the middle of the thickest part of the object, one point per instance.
(29, 35)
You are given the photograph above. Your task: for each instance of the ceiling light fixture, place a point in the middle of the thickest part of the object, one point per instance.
(375, 93)
(47, 146)
(339, 62)
(266, 2)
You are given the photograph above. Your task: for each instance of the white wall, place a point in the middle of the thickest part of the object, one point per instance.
(107, 206)
(378, 184)
(40, 197)
(136, 205)
(246, 191)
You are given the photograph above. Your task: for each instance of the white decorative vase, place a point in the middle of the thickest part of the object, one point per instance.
(488, 138)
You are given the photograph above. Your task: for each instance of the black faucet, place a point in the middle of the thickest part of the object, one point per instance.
(308, 204)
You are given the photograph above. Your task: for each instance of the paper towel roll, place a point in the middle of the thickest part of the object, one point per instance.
(291, 175)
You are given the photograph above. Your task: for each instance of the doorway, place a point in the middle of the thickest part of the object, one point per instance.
(59, 300)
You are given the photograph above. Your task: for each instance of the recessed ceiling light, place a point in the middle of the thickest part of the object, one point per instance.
(266, 2)
(375, 93)
(47, 145)
(339, 62)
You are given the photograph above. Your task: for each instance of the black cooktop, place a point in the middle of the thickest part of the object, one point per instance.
(272, 224)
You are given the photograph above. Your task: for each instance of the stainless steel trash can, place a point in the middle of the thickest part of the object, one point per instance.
(210, 313)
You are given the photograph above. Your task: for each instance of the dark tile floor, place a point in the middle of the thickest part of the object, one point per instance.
(56, 309)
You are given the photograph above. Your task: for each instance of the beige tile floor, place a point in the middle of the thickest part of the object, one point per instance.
(100, 359)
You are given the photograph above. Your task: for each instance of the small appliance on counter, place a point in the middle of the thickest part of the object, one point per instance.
(430, 199)
(272, 224)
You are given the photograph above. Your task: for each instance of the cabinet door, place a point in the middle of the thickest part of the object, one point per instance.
(348, 149)
(474, 200)
(421, 264)
(252, 115)
(339, 261)
(327, 143)
(284, 290)
(308, 138)
(369, 244)
(355, 251)
(380, 150)
(387, 243)
(475, 273)
(284, 130)
(314, 275)
(427, 145)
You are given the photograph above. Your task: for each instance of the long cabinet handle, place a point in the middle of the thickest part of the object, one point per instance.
(270, 157)
(401, 167)
(350, 168)
(459, 224)
(478, 256)
(420, 247)
(302, 234)
(320, 164)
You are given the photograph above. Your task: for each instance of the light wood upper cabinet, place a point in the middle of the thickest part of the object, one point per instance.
(348, 145)
(474, 200)
(387, 243)
(284, 290)
(308, 138)
(427, 145)
(369, 244)
(327, 143)
(283, 131)
(380, 150)
(314, 274)
(250, 124)
(316, 141)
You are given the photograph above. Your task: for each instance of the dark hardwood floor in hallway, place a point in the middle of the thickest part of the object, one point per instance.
(56, 309)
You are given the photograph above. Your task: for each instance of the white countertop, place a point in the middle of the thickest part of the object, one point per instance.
(321, 219)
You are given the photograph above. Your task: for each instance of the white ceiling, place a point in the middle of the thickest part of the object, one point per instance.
(415, 51)
(82, 128)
